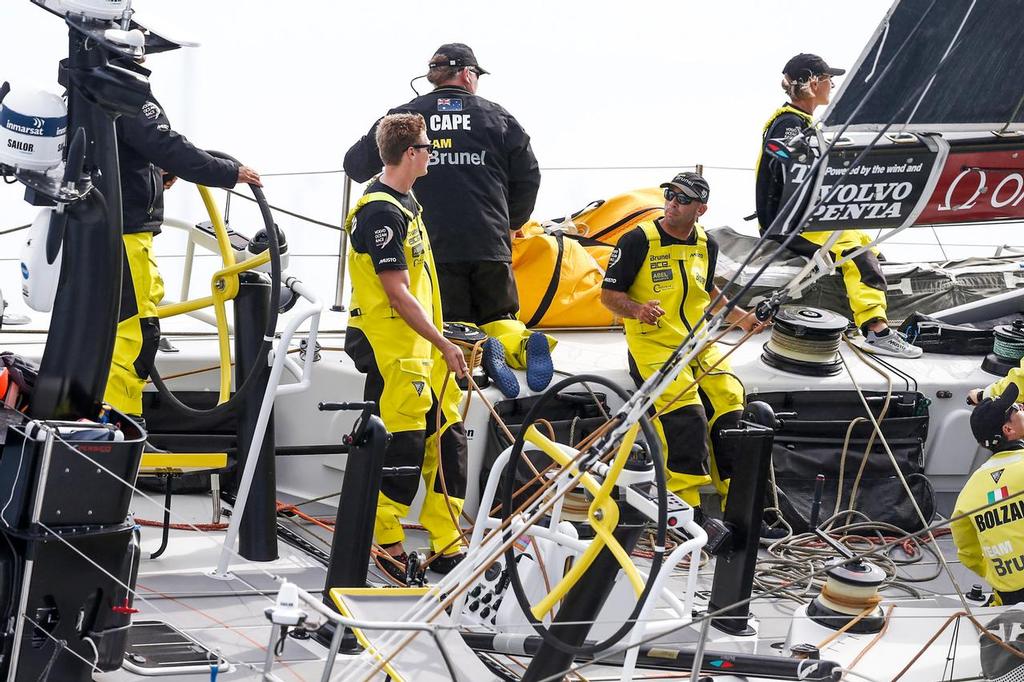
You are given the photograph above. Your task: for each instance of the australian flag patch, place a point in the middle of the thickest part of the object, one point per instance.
(449, 104)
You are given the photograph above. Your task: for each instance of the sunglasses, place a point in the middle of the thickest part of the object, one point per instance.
(475, 70)
(678, 197)
(1016, 407)
(428, 146)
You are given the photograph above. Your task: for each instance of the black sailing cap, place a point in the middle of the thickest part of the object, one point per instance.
(988, 417)
(692, 185)
(455, 54)
(806, 65)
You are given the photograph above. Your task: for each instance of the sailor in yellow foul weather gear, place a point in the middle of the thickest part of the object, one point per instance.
(660, 280)
(150, 156)
(807, 79)
(1014, 377)
(394, 336)
(990, 536)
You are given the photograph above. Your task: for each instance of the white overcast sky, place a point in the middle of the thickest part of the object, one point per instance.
(288, 86)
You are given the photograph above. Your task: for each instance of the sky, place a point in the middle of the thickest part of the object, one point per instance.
(614, 95)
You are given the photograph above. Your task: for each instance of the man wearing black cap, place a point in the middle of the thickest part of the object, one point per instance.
(990, 535)
(482, 187)
(660, 280)
(807, 81)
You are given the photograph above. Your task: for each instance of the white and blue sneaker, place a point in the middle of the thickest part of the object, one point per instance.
(539, 368)
(498, 370)
(891, 342)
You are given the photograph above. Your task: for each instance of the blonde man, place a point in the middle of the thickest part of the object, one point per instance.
(394, 336)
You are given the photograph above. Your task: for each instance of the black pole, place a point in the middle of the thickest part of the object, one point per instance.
(353, 535)
(353, 523)
(257, 535)
(734, 570)
(76, 361)
(584, 601)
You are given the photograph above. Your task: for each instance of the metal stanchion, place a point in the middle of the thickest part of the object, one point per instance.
(339, 292)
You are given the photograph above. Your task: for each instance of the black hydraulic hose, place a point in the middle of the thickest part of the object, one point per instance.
(508, 485)
(249, 384)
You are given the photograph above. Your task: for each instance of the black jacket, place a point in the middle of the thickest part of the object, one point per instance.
(483, 177)
(146, 146)
(770, 180)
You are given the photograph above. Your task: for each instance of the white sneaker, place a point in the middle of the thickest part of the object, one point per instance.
(893, 343)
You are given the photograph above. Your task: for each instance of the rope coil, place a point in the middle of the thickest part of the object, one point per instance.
(1008, 341)
(805, 341)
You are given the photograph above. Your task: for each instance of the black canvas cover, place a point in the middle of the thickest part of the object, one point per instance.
(978, 87)
(810, 442)
(572, 417)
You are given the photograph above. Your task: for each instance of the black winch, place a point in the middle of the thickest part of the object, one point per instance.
(1007, 348)
(805, 341)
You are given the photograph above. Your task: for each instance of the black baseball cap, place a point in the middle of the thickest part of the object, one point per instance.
(806, 65)
(989, 416)
(692, 185)
(455, 54)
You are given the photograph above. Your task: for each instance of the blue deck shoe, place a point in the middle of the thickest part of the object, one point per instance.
(498, 370)
(539, 368)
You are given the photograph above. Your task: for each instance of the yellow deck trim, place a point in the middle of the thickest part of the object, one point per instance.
(338, 597)
(181, 462)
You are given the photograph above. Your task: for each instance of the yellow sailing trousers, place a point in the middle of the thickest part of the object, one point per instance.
(862, 275)
(715, 401)
(138, 328)
(408, 392)
(512, 335)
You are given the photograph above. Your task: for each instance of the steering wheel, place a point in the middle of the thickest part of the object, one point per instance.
(224, 287)
(602, 516)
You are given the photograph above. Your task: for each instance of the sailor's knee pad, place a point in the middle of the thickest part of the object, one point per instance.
(150, 330)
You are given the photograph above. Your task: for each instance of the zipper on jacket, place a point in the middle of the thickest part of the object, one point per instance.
(152, 191)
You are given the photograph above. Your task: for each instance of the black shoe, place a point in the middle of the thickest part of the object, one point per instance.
(772, 533)
(445, 563)
(394, 567)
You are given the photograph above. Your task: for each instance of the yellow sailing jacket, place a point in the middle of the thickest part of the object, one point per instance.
(784, 109)
(1015, 376)
(677, 275)
(990, 540)
(372, 312)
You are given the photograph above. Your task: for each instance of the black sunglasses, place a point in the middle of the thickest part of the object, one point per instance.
(428, 145)
(1015, 407)
(475, 70)
(678, 197)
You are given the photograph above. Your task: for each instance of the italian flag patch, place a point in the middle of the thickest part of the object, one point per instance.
(996, 495)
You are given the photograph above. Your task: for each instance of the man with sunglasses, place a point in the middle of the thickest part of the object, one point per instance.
(660, 280)
(394, 337)
(988, 519)
(481, 188)
(807, 82)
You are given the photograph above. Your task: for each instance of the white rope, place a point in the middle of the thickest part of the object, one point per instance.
(906, 486)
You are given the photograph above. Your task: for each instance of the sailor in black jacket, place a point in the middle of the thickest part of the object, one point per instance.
(481, 187)
(151, 156)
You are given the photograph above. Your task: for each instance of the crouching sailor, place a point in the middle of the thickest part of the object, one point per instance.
(660, 280)
(394, 337)
(990, 536)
